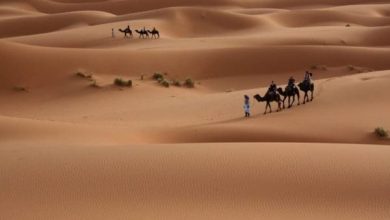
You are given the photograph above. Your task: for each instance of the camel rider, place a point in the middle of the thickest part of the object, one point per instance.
(308, 76)
(291, 82)
(272, 88)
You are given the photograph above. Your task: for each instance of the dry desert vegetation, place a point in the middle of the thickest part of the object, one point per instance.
(95, 125)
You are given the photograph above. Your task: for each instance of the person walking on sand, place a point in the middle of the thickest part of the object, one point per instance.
(247, 106)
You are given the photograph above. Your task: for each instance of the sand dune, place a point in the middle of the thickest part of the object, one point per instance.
(195, 181)
(69, 150)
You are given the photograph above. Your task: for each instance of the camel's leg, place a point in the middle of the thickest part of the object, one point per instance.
(283, 101)
(270, 108)
(299, 102)
(289, 101)
(266, 107)
(311, 95)
(293, 100)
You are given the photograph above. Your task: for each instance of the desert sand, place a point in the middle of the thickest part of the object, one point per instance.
(69, 150)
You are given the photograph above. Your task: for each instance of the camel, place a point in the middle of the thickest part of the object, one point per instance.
(288, 93)
(306, 87)
(127, 31)
(142, 33)
(269, 98)
(154, 33)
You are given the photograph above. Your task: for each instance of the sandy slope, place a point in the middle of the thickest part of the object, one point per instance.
(195, 181)
(345, 109)
(71, 151)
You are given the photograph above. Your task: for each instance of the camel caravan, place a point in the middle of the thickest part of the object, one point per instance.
(143, 33)
(279, 95)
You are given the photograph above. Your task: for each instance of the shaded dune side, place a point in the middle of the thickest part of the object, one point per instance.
(15, 130)
(323, 16)
(29, 25)
(10, 12)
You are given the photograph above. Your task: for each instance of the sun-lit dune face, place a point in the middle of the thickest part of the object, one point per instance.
(195, 181)
(96, 124)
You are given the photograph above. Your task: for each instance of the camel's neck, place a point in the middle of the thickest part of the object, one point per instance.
(259, 98)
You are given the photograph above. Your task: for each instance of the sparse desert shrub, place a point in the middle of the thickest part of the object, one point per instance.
(20, 89)
(381, 132)
(189, 83)
(94, 84)
(164, 82)
(176, 83)
(158, 76)
(347, 25)
(83, 75)
(122, 82)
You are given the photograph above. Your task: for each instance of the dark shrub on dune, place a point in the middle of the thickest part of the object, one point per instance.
(164, 83)
(381, 132)
(158, 76)
(189, 83)
(122, 82)
(83, 75)
(176, 83)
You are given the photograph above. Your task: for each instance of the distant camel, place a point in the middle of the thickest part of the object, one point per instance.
(306, 87)
(269, 98)
(127, 31)
(288, 93)
(155, 33)
(142, 33)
